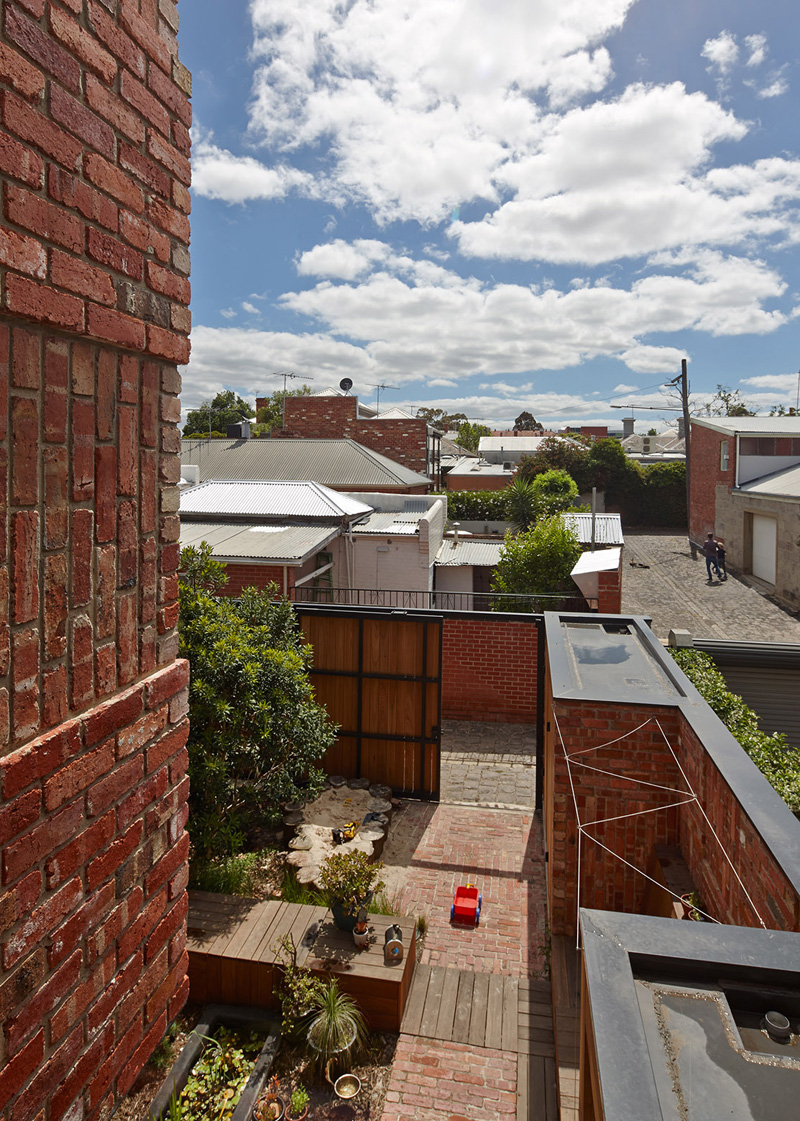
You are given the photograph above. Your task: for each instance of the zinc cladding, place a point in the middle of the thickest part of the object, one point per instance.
(337, 463)
(280, 544)
(780, 484)
(479, 554)
(392, 522)
(608, 528)
(268, 499)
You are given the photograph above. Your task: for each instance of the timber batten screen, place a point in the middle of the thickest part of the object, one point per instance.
(379, 675)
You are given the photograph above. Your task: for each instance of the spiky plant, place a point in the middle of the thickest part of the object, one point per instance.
(335, 1024)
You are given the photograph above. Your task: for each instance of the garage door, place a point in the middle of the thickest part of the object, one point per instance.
(765, 537)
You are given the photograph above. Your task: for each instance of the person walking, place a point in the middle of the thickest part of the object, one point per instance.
(721, 559)
(710, 551)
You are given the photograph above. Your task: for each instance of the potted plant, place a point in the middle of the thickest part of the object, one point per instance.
(297, 1109)
(349, 881)
(334, 1025)
(270, 1105)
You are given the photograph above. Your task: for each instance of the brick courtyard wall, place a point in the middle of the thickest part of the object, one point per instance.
(605, 882)
(706, 477)
(772, 894)
(404, 441)
(94, 292)
(241, 576)
(489, 668)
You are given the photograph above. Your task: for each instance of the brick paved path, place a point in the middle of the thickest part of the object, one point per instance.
(502, 852)
(673, 590)
(488, 764)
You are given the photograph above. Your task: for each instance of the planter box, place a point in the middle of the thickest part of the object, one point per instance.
(232, 1016)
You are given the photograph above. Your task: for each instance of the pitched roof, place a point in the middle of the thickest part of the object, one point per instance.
(343, 464)
(780, 484)
(270, 544)
(468, 551)
(291, 499)
(752, 425)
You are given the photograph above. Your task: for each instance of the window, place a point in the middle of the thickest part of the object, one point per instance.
(723, 455)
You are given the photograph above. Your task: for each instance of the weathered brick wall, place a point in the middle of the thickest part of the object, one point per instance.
(706, 477)
(94, 316)
(609, 589)
(489, 669)
(605, 882)
(773, 896)
(241, 576)
(476, 482)
(404, 441)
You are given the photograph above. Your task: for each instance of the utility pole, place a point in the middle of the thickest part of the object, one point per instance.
(683, 380)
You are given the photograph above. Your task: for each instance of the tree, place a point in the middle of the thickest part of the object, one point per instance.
(440, 419)
(560, 454)
(537, 562)
(726, 402)
(521, 506)
(651, 432)
(256, 731)
(226, 408)
(527, 422)
(553, 492)
(469, 435)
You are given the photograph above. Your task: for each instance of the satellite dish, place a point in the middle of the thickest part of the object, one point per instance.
(346, 384)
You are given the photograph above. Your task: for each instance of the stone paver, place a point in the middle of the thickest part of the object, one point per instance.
(441, 1081)
(488, 764)
(673, 590)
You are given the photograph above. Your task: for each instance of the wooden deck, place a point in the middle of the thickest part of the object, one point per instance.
(233, 958)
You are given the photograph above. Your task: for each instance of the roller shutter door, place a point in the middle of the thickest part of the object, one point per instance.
(765, 540)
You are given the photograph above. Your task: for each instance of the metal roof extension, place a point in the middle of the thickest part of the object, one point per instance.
(343, 464)
(269, 499)
(608, 528)
(780, 484)
(391, 522)
(479, 554)
(273, 544)
(752, 425)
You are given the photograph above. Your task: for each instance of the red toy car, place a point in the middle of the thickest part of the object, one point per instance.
(466, 906)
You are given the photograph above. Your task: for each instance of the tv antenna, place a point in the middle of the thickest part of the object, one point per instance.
(287, 374)
(378, 394)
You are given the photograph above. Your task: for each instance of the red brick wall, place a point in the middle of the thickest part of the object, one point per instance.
(404, 441)
(609, 589)
(706, 477)
(94, 316)
(606, 882)
(467, 482)
(489, 669)
(241, 576)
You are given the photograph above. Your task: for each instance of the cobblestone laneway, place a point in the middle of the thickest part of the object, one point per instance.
(488, 764)
(673, 590)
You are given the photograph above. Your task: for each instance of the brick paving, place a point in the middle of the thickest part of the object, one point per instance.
(502, 852)
(488, 764)
(445, 1081)
(673, 590)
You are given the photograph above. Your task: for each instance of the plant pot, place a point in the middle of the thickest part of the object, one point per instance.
(296, 1116)
(344, 919)
(262, 1111)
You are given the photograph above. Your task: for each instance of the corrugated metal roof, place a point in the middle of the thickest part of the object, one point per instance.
(752, 425)
(481, 554)
(471, 466)
(781, 484)
(336, 463)
(269, 499)
(394, 522)
(608, 528)
(285, 544)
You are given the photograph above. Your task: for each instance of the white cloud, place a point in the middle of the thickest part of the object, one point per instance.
(653, 359)
(757, 46)
(722, 52)
(342, 260)
(787, 383)
(219, 174)
(251, 309)
(228, 313)
(775, 89)
(623, 388)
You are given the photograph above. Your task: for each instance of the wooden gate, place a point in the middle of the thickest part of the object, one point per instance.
(379, 675)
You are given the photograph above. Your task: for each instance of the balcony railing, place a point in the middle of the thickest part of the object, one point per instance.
(436, 600)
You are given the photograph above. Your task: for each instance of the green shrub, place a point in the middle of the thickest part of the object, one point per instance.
(779, 763)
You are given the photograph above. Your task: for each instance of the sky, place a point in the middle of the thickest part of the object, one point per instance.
(487, 206)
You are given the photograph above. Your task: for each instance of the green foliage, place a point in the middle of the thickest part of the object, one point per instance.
(476, 505)
(226, 408)
(270, 416)
(440, 419)
(527, 422)
(553, 493)
(335, 1025)
(349, 877)
(220, 1075)
(256, 730)
(292, 891)
(537, 562)
(521, 505)
(162, 1056)
(230, 875)
(779, 763)
(299, 1101)
(298, 991)
(469, 434)
(200, 571)
(726, 402)
(560, 454)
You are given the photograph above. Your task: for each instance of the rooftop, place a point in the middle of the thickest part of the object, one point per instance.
(269, 499)
(752, 425)
(343, 464)
(468, 551)
(780, 484)
(273, 544)
(608, 528)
